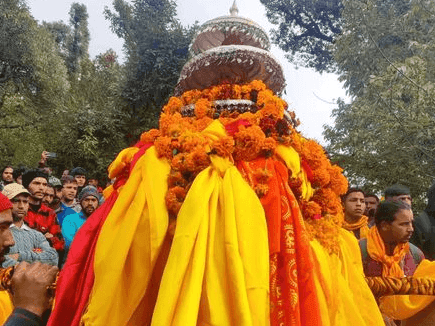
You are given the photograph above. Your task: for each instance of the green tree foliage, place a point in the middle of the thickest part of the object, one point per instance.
(386, 135)
(77, 42)
(156, 48)
(306, 30)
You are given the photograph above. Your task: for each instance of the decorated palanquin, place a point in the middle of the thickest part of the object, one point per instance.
(225, 215)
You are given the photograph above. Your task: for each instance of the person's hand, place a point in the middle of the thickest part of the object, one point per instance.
(48, 235)
(29, 286)
(44, 156)
(14, 256)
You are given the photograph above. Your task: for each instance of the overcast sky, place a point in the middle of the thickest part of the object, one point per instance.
(308, 93)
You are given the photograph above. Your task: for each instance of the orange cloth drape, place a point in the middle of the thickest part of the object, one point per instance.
(376, 250)
(293, 297)
(362, 224)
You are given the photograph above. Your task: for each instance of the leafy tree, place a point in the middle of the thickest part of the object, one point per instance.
(14, 24)
(306, 30)
(156, 48)
(386, 135)
(78, 42)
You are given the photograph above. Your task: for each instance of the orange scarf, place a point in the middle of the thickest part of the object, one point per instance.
(362, 224)
(376, 250)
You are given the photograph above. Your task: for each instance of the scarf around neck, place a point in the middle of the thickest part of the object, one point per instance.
(376, 250)
(361, 224)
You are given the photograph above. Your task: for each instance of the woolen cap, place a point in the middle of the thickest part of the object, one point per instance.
(5, 203)
(29, 175)
(89, 191)
(14, 189)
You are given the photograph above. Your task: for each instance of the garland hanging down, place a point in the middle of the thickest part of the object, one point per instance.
(249, 135)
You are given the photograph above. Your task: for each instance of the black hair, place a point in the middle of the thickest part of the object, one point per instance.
(18, 171)
(349, 191)
(29, 175)
(388, 209)
(68, 179)
(372, 195)
(7, 166)
(396, 190)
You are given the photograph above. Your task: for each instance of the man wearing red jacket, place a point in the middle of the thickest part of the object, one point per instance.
(39, 216)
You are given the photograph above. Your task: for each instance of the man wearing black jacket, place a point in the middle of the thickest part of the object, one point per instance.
(29, 282)
(424, 227)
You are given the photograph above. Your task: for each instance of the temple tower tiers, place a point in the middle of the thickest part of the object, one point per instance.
(230, 49)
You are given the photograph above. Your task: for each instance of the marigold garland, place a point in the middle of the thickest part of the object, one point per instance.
(250, 135)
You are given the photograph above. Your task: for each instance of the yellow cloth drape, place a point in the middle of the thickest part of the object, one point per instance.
(376, 250)
(345, 298)
(129, 243)
(213, 276)
(405, 306)
(6, 306)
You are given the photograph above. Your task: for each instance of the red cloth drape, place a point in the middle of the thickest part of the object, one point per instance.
(293, 299)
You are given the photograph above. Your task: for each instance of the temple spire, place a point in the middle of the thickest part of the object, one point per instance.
(234, 11)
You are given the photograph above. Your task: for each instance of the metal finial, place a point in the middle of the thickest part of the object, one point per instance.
(234, 10)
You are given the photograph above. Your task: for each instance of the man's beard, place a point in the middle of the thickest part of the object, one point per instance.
(16, 218)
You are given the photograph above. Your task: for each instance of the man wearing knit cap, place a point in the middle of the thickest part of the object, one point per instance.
(39, 216)
(79, 174)
(30, 282)
(89, 199)
(30, 245)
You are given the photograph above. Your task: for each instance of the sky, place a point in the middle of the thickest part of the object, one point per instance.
(310, 94)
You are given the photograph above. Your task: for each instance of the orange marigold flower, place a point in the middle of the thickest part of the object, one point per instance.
(257, 85)
(202, 108)
(174, 105)
(248, 142)
(321, 176)
(237, 92)
(174, 199)
(311, 210)
(201, 124)
(164, 147)
(175, 178)
(328, 200)
(223, 147)
(150, 136)
(338, 182)
(197, 160)
(268, 147)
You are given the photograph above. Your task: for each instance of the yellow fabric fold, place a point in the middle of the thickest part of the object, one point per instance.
(293, 162)
(6, 306)
(345, 298)
(122, 160)
(213, 276)
(406, 306)
(129, 243)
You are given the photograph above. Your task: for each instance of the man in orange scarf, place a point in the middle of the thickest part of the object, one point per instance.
(354, 206)
(387, 251)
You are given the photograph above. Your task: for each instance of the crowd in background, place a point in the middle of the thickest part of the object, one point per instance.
(47, 211)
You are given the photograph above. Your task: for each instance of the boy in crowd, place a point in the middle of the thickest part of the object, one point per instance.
(69, 204)
(30, 245)
(354, 218)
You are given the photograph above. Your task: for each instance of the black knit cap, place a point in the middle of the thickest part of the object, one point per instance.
(78, 171)
(29, 175)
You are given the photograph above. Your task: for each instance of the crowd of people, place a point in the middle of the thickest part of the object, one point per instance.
(40, 215)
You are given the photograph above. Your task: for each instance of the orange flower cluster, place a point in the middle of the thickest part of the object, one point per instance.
(323, 212)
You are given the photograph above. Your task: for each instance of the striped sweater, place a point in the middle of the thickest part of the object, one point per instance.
(31, 246)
